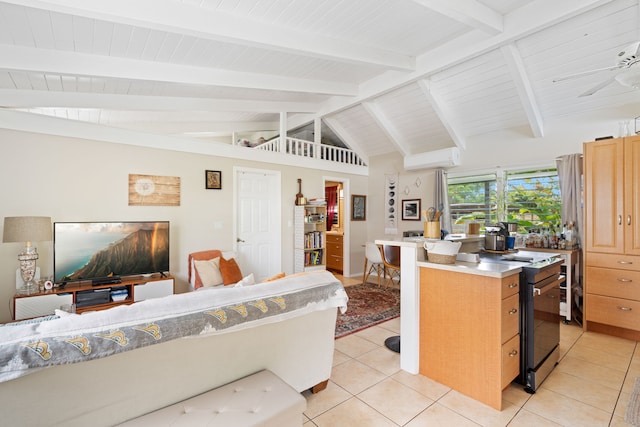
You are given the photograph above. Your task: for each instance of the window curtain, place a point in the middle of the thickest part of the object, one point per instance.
(331, 195)
(441, 199)
(570, 177)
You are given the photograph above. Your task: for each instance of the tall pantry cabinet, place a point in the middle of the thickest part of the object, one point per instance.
(612, 236)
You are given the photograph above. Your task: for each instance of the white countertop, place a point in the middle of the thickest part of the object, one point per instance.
(483, 268)
(491, 269)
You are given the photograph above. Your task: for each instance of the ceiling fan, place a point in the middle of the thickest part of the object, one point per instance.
(625, 60)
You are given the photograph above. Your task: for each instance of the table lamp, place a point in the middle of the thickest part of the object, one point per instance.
(27, 229)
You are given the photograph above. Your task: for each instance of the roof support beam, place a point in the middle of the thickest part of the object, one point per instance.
(525, 91)
(386, 126)
(345, 136)
(468, 12)
(441, 111)
(517, 25)
(210, 24)
(70, 63)
(14, 98)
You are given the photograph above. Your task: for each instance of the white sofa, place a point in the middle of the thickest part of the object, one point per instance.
(292, 335)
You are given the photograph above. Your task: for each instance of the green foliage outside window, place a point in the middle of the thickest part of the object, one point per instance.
(532, 199)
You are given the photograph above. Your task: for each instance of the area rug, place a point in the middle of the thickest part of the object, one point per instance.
(633, 407)
(368, 305)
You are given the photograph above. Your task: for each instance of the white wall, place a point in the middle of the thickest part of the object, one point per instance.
(71, 179)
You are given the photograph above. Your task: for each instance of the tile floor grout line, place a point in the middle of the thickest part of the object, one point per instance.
(622, 386)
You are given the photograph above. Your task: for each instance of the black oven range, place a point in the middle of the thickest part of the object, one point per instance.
(540, 282)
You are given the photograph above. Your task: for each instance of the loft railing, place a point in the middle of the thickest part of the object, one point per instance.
(302, 148)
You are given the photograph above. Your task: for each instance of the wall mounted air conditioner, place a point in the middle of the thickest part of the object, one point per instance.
(444, 158)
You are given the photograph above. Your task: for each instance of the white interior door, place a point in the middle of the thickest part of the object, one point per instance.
(258, 221)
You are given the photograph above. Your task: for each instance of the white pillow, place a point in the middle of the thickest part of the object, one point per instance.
(246, 281)
(209, 272)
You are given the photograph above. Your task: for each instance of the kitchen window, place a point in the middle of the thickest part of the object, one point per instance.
(472, 198)
(529, 197)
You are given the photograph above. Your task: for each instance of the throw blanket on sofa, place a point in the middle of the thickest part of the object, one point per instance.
(78, 338)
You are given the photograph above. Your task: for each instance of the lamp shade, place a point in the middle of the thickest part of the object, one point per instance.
(26, 229)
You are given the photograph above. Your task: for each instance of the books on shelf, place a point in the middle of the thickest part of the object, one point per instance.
(313, 257)
(313, 240)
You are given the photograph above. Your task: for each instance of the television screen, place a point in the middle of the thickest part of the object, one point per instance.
(94, 250)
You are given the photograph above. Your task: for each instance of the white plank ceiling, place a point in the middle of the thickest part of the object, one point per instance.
(409, 76)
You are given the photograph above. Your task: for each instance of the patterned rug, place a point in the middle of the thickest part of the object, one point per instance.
(368, 305)
(632, 415)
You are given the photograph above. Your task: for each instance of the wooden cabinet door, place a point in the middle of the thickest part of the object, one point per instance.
(604, 195)
(631, 219)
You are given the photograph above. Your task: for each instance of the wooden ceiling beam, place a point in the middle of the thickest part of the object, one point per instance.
(15, 98)
(210, 24)
(387, 127)
(440, 108)
(523, 86)
(81, 64)
(468, 12)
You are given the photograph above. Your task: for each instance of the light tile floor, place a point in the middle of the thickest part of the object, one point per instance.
(590, 387)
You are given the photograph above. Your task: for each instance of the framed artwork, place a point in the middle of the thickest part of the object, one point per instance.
(154, 190)
(411, 210)
(358, 208)
(213, 180)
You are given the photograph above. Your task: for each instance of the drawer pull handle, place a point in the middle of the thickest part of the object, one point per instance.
(513, 311)
(624, 308)
(625, 280)
(513, 353)
(628, 219)
(619, 219)
(625, 262)
(513, 285)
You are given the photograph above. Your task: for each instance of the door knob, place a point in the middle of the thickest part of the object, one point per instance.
(239, 240)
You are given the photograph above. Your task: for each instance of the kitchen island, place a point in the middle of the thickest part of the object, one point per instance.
(460, 322)
(469, 328)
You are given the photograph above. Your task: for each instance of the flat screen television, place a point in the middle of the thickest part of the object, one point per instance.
(98, 251)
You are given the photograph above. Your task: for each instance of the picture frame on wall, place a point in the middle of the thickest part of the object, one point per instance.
(213, 180)
(411, 210)
(358, 207)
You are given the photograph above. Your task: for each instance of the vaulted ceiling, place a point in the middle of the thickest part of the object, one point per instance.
(406, 76)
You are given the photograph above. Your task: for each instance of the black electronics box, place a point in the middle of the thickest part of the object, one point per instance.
(93, 297)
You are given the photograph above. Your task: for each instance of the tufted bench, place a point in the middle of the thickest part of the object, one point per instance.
(261, 399)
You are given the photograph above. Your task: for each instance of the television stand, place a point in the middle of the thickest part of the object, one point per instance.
(112, 280)
(44, 303)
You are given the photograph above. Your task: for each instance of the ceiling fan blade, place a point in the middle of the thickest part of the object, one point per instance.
(586, 73)
(597, 87)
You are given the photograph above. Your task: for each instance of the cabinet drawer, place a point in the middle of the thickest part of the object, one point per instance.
(613, 311)
(510, 317)
(510, 285)
(40, 305)
(333, 238)
(334, 262)
(613, 282)
(510, 360)
(334, 248)
(617, 261)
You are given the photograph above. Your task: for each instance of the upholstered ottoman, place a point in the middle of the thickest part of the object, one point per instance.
(261, 399)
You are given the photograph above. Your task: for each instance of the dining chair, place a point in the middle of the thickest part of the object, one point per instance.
(391, 261)
(372, 255)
